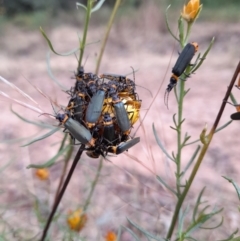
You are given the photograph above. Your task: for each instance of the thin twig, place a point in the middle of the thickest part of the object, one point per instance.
(109, 26)
(66, 161)
(74, 164)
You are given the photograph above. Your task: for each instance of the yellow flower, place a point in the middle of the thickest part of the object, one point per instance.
(76, 220)
(42, 174)
(110, 236)
(190, 11)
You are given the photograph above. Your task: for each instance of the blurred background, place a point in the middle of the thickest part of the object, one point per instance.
(127, 186)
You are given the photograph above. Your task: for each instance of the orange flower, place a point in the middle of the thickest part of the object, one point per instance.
(238, 108)
(76, 220)
(110, 236)
(191, 10)
(42, 174)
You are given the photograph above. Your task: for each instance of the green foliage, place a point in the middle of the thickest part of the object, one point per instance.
(13, 7)
(217, 3)
(237, 188)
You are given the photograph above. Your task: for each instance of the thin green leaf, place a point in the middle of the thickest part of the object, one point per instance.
(185, 140)
(233, 99)
(119, 233)
(237, 188)
(52, 75)
(3, 168)
(16, 140)
(37, 211)
(181, 29)
(204, 56)
(42, 137)
(198, 202)
(181, 218)
(63, 142)
(185, 92)
(173, 128)
(51, 46)
(201, 213)
(50, 162)
(173, 155)
(231, 237)
(191, 238)
(176, 95)
(217, 226)
(193, 142)
(174, 120)
(95, 42)
(132, 233)
(97, 6)
(202, 219)
(182, 121)
(167, 23)
(166, 185)
(81, 5)
(144, 231)
(43, 125)
(195, 63)
(236, 239)
(192, 159)
(160, 144)
(223, 126)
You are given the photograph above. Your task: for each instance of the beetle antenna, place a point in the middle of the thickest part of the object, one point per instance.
(76, 57)
(133, 73)
(145, 89)
(166, 95)
(85, 61)
(53, 108)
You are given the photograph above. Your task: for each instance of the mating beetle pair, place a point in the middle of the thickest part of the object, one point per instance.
(101, 112)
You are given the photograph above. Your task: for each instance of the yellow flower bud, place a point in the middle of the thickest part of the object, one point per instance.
(42, 174)
(190, 11)
(110, 236)
(76, 220)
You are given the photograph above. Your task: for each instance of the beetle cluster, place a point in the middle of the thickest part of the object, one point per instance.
(101, 113)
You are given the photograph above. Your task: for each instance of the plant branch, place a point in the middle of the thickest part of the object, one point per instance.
(74, 164)
(83, 41)
(201, 155)
(66, 161)
(109, 26)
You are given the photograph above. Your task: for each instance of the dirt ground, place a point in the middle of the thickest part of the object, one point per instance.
(126, 188)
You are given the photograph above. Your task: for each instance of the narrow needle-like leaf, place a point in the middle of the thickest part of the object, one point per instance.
(166, 185)
(160, 144)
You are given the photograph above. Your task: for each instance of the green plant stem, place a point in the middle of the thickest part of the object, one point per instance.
(201, 155)
(85, 207)
(83, 41)
(189, 26)
(179, 136)
(109, 26)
